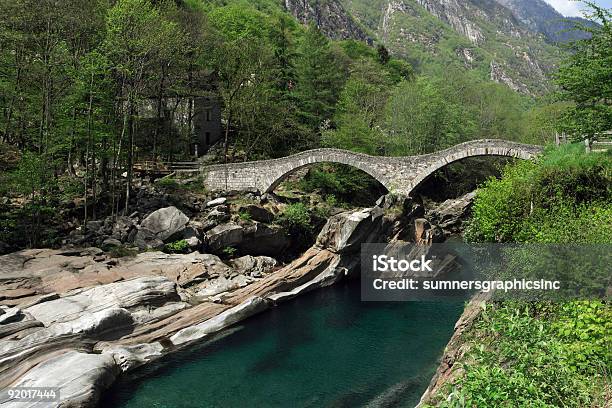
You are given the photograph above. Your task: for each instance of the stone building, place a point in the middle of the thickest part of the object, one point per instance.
(194, 123)
(206, 123)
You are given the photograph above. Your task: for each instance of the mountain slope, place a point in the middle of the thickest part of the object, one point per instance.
(481, 35)
(541, 17)
(330, 16)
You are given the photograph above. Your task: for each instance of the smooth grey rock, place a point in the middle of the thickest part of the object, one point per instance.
(11, 315)
(165, 222)
(231, 316)
(124, 294)
(223, 236)
(213, 287)
(348, 230)
(253, 266)
(216, 201)
(132, 356)
(10, 328)
(262, 239)
(81, 377)
(258, 213)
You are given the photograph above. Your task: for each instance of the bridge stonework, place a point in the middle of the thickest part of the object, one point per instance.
(399, 175)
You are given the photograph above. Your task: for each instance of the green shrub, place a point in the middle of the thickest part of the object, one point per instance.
(565, 196)
(331, 200)
(167, 183)
(196, 186)
(244, 216)
(229, 252)
(296, 216)
(177, 247)
(537, 355)
(348, 185)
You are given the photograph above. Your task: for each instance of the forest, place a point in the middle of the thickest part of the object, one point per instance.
(75, 80)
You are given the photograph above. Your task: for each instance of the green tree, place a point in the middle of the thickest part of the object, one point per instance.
(360, 110)
(135, 43)
(585, 79)
(321, 72)
(421, 118)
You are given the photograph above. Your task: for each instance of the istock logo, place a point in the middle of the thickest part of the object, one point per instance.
(384, 263)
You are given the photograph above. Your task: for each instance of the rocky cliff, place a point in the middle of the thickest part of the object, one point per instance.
(329, 16)
(481, 35)
(541, 17)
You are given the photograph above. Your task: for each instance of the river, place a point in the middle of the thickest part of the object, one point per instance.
(322, 349)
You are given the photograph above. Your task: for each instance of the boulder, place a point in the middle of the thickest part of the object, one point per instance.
(254, 266)
(122, 227)
(345, 232)
(216, 201)
(95, 226)
(450, 214)
(193, 242)
(110, 243)
(261, 239)
(165, 222)
(217, 217)
(223, 236)
(258, 213)
(147, 239)
(192, 237)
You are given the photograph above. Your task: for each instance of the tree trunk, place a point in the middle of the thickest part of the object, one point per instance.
(130, 158)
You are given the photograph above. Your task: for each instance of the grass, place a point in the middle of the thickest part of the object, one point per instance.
(122, 252)
(536, 355)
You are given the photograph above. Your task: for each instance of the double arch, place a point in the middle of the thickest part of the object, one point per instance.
(397, 174)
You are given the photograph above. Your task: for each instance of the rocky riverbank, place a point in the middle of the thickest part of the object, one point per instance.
(78, 318)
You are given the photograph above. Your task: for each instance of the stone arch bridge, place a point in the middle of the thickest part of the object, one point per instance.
(398, 174)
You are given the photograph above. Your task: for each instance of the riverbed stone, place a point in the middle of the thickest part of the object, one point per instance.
(165, 222)
(346, 231)
(255, 266)
(81, 377)
(224, 236)
(216, 201)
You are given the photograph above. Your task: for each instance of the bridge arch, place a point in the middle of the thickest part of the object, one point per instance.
(359, 161)
(397, 174)
(476, 148)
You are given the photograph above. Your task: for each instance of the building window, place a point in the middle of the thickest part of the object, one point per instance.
(207, 138)
(208, 114)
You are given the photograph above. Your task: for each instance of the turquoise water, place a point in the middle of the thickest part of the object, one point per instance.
(323, 349)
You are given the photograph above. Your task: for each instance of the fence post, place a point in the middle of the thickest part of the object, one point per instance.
(587, 145)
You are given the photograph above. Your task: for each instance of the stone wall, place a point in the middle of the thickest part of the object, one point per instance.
(398, 174)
